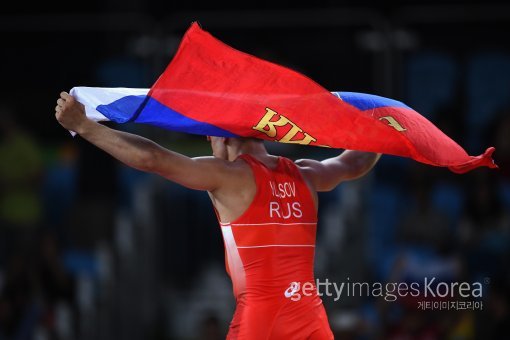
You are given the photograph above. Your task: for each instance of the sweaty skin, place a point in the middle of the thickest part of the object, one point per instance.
(239, 177)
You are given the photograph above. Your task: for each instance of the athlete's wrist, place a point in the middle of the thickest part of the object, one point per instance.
(84, 126)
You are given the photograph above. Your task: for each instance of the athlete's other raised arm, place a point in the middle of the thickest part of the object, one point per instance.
(201, 173)
(327, 174)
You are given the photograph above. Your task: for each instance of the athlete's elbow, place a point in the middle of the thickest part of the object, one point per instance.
(148, 160)
(364, 165)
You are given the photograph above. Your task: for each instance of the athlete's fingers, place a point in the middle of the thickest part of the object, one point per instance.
(66, 96)
(58, 108)
(60, 102)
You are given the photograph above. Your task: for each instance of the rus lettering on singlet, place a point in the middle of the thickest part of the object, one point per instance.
(284, 207)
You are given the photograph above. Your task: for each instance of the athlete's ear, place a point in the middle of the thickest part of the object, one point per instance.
(208, 138)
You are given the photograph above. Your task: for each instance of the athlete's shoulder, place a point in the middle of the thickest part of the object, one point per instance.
(305, 162)
(221, 165)
(310, 171)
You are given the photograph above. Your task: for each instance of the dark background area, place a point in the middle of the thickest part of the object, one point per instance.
(90, 249)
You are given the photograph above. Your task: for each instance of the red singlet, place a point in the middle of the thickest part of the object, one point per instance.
(269, 255)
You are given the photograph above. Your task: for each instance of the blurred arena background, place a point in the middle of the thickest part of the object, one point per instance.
(90, 249)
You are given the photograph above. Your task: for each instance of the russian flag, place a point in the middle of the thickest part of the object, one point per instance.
(209, 88)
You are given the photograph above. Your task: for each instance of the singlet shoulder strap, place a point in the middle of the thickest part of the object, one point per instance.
(259, 170)
(291, 166)
(253, 162)
(248, 158)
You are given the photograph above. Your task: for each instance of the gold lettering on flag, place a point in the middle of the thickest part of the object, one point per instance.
(269, 127)
(393, 123)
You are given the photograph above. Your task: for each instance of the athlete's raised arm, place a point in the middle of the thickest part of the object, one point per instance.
(201, 173)
(327, 174)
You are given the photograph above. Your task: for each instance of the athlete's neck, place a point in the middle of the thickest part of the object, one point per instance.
(254, 148)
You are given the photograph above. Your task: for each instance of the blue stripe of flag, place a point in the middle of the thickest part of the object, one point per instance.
(364, 101)
(147, 110)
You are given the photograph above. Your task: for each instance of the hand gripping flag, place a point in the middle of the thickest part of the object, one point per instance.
(210, 88)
